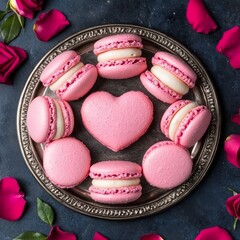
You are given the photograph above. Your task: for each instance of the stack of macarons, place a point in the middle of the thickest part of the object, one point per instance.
(117, 122)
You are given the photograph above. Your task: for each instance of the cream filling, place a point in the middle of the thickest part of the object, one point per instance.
(177, 119)
(63, 79)
(110, 183)
(59, 121)
(119, 54)
(170, 80)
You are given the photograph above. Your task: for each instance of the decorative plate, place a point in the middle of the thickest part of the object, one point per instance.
(152, 200)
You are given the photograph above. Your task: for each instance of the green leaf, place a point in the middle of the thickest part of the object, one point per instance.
(2, 14)
(235, 223)
(233, 192)
(45, 212)
(10, 28)
(31, 236)
(8, 7)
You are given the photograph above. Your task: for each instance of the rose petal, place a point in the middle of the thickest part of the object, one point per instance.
(232, 205)
(98, 236)
(236, 119)
(199, 17)
(57, 234)
(10, 60)
(151, 236)
(26, 8)
(50, 24)
(232, 147)
(12, 202)
(213, 233)
(229, 46)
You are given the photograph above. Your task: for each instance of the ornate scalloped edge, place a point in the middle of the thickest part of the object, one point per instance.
(124, 212)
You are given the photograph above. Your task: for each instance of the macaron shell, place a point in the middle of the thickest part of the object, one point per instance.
(58, 66)
(116, 196)
(193, 127)
(38, 115)
(177, 66)
(158, 89)
(79, 84)
(115, 169)
(66, 162)
(117, 122)
(116, 42)
(122, 68)
(166, 165)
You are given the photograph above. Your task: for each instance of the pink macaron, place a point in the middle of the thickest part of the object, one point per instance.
(117, 122)
(169, 78)
(119, 56)
(49, 119)
(66, 162)
(166, 165)
(185, 122)
(115, 182)
(68, 76)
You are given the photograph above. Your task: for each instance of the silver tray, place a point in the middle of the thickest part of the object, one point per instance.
(152, 200)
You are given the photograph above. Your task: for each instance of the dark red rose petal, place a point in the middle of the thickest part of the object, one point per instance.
(98, 236)
(26, 8)
(10, 60)
(199, 17)
(151, 236)
(236, 118)
(50, 24)
(12, 202)
(232, 149)
(233, 206)
(213, 233)
(229, 46)
(57, 234)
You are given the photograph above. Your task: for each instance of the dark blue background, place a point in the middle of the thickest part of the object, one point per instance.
(205, 206)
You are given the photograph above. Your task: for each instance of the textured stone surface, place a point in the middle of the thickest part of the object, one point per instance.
(205, 206)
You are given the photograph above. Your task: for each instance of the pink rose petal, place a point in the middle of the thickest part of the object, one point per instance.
(12, 202)
(57, 234)
(232, 147)
(98, 236)
(213, 233)
(199, 17)
(26, 8)
(10, 60)
(50, 24)
(229, 46)
(236, 118)
(151, 236)
(233, 206)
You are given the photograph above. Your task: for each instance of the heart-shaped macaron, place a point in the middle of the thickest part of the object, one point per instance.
(117, 122)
